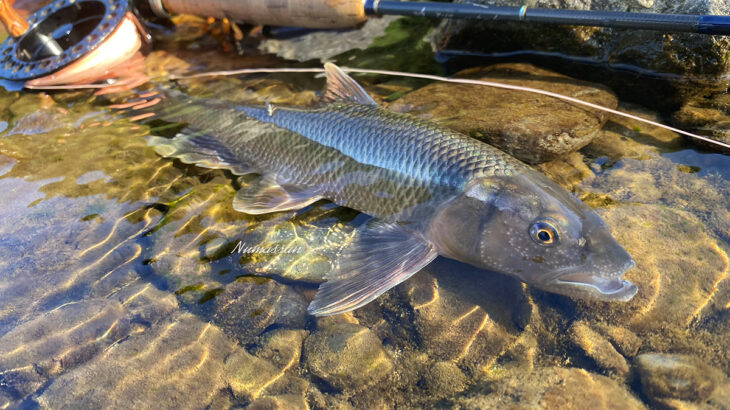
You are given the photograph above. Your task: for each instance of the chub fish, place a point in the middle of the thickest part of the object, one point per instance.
(429, 190)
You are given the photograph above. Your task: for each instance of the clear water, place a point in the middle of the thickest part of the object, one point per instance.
(119, 288)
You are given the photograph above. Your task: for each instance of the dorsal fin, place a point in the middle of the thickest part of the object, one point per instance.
(341, 86)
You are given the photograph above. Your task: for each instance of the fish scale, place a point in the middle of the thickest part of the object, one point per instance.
(392, 141)
(393, 165)
(430, 191)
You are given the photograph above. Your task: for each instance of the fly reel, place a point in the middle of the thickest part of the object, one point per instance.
(58, 35)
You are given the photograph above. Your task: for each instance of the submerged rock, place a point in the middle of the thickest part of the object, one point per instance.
(598, 348)
(324, 44)
(678, 261)
(568, 171)
(707, 114)
(533, 128)
(444, 379)
(676, 376)
(347, 356)
(248, 306)
(552, 388)
(465, 315)
(281, 347)
(624, 340)
(248, 375)
(268, 376)
(169, 364)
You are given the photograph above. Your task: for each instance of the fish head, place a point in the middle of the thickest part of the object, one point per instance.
(527, 226)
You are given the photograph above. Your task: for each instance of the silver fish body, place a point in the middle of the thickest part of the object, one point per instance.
(430, 191)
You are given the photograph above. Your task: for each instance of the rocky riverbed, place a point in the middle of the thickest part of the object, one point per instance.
(119, 288)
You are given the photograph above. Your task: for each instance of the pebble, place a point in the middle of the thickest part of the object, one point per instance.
(595, 346)
(346, 355)
(676, 376)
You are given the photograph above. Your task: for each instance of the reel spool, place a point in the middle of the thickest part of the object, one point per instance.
(64, 34)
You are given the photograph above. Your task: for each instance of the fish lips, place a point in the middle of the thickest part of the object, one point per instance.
(587, 284)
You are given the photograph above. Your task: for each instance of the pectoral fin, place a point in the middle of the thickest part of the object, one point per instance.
(265, 195)
(199, 149)
(381, 256)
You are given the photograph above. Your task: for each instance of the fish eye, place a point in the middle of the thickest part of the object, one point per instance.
(544, 233)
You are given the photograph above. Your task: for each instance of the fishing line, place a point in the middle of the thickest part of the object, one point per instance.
(461, 81)
(435, 78)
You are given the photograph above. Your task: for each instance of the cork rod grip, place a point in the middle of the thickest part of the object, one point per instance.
(299, 13)
(15, 24)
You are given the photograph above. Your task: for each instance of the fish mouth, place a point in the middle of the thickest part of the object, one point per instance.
(605, 287)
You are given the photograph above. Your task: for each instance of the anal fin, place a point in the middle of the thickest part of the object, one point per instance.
(381, 256)
(265, 195)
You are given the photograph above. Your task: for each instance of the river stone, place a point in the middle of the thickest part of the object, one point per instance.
(624, 340)
(444, 379)
(676, 376)
(721, 398)
(281, 347)
(168, 364)
(466, 315)
(666, 244)
(552, 388)
(568, 171)
(248, 375)
(634, 51)
(533, 128)
(283, 402)
(248, 306)
(347, 356)
(74, 334)
(253, 379)
(707, 114)
(323, 44)
(595, 346)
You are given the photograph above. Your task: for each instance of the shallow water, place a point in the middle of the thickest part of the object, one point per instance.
(118, 285)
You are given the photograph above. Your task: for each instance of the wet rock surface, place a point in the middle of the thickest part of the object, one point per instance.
(707, 114)
(686, 54)
(531, 127)
(173, 360)
(445, 379)
(322, 45)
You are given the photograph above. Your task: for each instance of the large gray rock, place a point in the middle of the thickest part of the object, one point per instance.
(533, 128)
(633, 50)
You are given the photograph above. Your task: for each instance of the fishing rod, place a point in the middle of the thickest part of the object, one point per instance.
(701, 24)
(63, 32)
(349, 13)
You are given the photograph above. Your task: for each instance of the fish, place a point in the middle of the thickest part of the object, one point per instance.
(428, 190)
